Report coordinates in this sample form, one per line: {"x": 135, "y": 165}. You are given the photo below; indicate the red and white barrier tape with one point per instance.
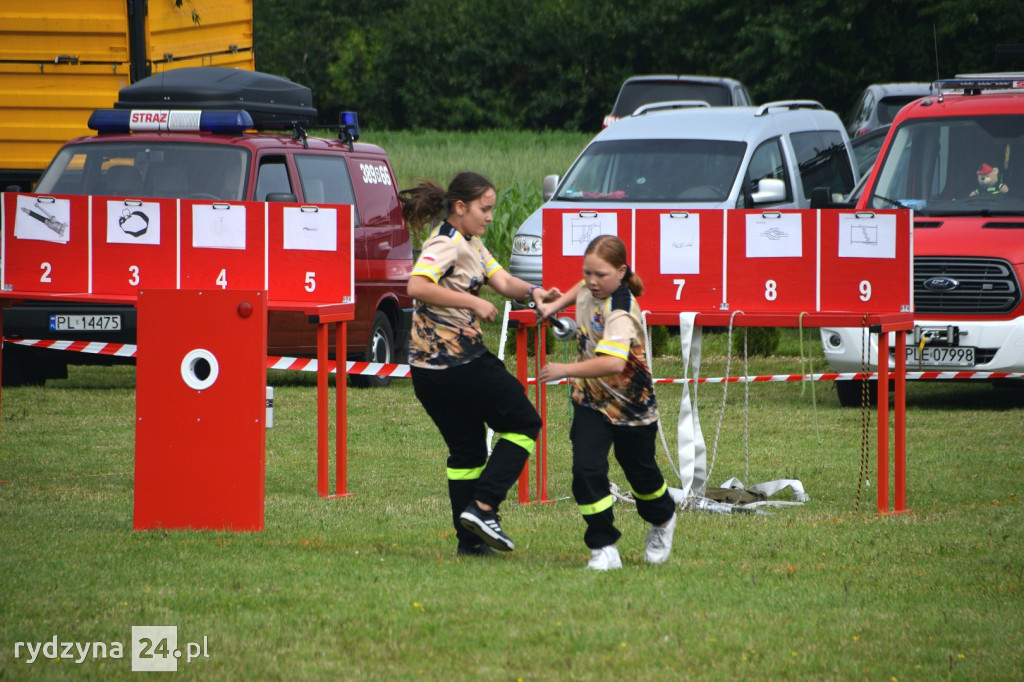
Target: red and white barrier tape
{"x": 402, "y": 371}
{"x": 128, "y": 350}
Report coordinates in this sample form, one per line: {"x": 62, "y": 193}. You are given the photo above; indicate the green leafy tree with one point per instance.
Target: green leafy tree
{"x": 558, "y": 64}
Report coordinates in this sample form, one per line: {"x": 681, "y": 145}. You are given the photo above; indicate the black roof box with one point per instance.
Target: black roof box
{"x": 272, "y": 101}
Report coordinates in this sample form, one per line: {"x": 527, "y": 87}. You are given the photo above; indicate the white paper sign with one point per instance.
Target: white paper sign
{"x": 218, "y": 226}
{"x": 45, "y": 219}
{"x": 579, "y": 229}
{"x": 867, "y": 236}
{"x": 133, "y": 222}
{"x": 311, "y": 228}
{"x": 680, "y": 243}
{"x": 774, "y": 235}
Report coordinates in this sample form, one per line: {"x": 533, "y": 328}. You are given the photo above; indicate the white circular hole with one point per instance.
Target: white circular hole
{"x": 199, "y": 369}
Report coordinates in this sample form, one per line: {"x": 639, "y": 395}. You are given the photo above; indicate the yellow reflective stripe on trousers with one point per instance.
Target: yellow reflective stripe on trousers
{"x": 464, "y": 474}
{"x": 653, "y": 496}
{"x": 597, "y": 507}
{"x": 525, "y": 442}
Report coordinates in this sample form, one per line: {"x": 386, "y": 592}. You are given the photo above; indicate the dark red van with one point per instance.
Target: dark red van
{"x": 270, "y": 160}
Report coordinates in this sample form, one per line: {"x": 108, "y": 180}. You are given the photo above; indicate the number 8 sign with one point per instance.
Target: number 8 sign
{"x": 771, "y": 261}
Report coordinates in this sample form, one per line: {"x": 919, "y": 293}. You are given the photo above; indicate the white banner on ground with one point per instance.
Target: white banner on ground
{"x": 692, "y": 451}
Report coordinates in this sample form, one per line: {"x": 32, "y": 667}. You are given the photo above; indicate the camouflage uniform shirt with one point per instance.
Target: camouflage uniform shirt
{"x": 613, "y": 326}
{"x": 446, "y": 337}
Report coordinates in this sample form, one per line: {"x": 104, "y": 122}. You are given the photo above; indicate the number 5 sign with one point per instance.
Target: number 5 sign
{"x": 306, "y": 245}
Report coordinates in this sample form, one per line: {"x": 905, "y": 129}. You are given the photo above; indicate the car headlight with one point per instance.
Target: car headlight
{"x": 526, "y": 245}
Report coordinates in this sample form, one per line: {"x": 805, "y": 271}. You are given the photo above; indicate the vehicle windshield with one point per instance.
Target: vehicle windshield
{"x": 888, "y": 107}
{"x": 654, "y": 171}
{"x": 954, "y": 166}
{"x": 148, "y": 169}
{"x": 636, "y": 94}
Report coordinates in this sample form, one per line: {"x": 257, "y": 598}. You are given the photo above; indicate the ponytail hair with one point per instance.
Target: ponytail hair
{"x": 427, "y": 202}
{"x": 612, "y": 250}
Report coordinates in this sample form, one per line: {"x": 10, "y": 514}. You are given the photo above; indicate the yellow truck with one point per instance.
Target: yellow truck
{"x": 62, "y": 59}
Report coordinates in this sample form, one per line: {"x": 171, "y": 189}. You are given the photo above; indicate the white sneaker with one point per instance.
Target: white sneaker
{"x": 604, "y": 559}
{"x": 659, "y": 542}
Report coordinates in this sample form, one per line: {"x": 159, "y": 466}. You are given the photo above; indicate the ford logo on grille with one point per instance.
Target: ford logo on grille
{"x": 941, "y": 284}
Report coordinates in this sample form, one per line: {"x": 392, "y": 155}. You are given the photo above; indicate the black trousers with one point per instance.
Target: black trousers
{"x": 592, "y": 438}
{"x": 463, "y": 401}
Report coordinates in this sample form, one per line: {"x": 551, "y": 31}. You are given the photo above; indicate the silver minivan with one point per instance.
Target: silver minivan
{"x": 687, "y": 154}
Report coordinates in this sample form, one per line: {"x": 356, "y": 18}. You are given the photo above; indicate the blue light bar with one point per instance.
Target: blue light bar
{"x": 226, "y": 121}
{"x": 110, "y": 120}
{"x": 173, "y": 120}
{"x": 348, "y": 122}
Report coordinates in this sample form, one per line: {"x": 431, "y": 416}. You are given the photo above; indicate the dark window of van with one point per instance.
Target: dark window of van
{"x": 767, "y": 161}
{"x": 325, "y": 180}
{"x": 635, "y": 94}
{"x": 272, "y": 178}
{"x": 823, "y": 161}
{"x": 377, "y": 190}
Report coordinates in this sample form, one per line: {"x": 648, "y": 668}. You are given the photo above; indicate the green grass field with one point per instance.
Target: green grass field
{"x": 515, "y": 161}
{"x": 368, "y": 587}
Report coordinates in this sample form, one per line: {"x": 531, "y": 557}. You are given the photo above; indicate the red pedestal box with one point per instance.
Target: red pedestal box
{"x": 223, "y": 245}
{"x": 771, "y": 261}
{"x": 200, "y": 409}
{"x": 306, "y": 245}
{"x": 679, "y": 256}
{"x": 46, "y": 244}
{"x": 867, "y": 261}
{"x": 567, "y": 233}
{"x": 134, "y": 245}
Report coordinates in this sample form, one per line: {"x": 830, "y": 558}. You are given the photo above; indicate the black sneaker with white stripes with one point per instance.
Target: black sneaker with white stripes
{"x": 478, "y": 548}
{"x": 485, "y": 524}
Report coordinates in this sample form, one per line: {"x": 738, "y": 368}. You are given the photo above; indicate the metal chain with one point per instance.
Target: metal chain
{"x": 865, "y": 414}
{"x": 746, "y": 411}
{"x": 721, "y": 413}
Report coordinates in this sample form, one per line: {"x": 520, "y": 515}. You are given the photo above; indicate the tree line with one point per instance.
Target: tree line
{"x": 558, "y": 64}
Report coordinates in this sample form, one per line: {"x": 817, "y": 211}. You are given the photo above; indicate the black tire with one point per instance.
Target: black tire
{"x": 22, "y": 367}
{"x": 849, "y": 391}
{"x": 380, "y": 348}
{"x": 1008, "y": 385}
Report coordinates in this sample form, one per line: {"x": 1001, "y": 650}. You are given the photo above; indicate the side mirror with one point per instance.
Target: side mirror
{"x": 769, "y": 191}
{"x": 282, "y": 196}
{"x": 549, "y": 186}
{"x": 821, "y": 197}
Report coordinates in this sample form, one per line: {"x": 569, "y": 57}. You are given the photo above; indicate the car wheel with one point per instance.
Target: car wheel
{"x": 380, "y": 348}
{"x": 850, "y": 392}
{"x": 21, "y": 367}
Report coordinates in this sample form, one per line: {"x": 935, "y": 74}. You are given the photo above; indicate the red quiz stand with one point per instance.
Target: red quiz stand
{"x": 203, "y": 276}
{"x": 750, "y": 268}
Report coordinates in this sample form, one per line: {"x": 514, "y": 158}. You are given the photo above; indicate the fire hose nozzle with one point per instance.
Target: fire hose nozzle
{"x": 564, "y": 328}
